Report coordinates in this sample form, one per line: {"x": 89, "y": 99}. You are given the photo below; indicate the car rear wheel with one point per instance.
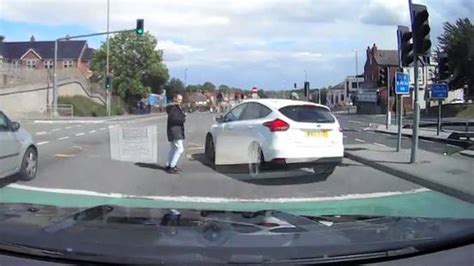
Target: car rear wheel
{"x": 209, "y": 149}
{"x": 29, "y": 164}
{"x": 323, "y": 171}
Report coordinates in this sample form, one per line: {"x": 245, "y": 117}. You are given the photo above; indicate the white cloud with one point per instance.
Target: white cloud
{"x": 247, "y": 37}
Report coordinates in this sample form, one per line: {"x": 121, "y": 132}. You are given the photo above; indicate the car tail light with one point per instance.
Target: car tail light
{"x": 277, "y": 125}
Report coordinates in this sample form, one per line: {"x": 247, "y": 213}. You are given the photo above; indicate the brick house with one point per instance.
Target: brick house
{"x": 40, "y": 54}
{"x": 376, "y": 59}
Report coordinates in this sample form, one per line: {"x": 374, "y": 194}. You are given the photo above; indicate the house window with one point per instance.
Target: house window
{"x": 354, "y": 85}
{"x": 67, "y": 63}
{"x": 16, "y": 64}
{"x": 31, "y": 63}
{"x": 342, "y": 97}
{"x": 48, "y": 64}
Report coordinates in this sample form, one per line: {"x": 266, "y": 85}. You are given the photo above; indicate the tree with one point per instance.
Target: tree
{"x": 223, "y": 88}
{"x": 208, "y": 86}
{"x": 136, "y": 65}
{"x": 261, "y": 94}
{"x": 174, "y": 86}
{"x": 194, "y": 88}
{"x": 457, "y": 41}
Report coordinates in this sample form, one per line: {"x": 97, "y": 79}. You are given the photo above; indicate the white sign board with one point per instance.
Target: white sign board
{"x": 134, "y": 144}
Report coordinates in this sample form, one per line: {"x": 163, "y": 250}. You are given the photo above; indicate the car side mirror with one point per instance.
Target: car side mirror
{"x": 219, "y": 119}
{"x": 15, "y": 126}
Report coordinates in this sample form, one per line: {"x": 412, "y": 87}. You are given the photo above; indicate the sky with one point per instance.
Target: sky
{"x": 270, "y": 44}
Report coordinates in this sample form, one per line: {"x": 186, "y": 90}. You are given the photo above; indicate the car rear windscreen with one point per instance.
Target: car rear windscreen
{"x": 308, "y": 114}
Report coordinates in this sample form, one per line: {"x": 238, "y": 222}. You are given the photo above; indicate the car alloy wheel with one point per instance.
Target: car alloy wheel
{"x": 29, "y": 164}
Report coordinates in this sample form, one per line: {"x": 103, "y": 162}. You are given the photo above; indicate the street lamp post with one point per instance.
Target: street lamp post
{"x": 107, "y": 60}
{"x": 185, "y": 77}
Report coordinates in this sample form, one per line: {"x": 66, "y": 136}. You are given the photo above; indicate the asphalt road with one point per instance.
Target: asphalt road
{"x": 75, "y": 155}
{"x": 357, "y": 131}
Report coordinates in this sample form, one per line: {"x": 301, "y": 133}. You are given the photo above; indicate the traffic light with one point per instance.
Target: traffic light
{"x": 306, "y": 89}
{"x": 140, "y": 27}
{"x": 443, "y": 66}
{"x": 405, "y": 46}
{"x": 294, "y": 85}
{"x": 421, "y": 30}
{"x": 383, "y": 76}
{"x": 108, "y": 82}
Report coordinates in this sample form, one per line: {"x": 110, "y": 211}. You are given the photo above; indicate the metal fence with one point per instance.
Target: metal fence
{"x": 63, "y": 110}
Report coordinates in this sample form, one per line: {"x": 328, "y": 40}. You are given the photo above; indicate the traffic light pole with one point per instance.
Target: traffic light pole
{"x": 107, "y": 60}
{"x": 416, "y": 113}
{"x": 438, "y": 128}
{"x": 388, "y": 118}
{"x": 399, "y": 120}
{"x": 55, "y": 78}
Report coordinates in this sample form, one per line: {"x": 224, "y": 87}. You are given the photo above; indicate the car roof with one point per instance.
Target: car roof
{"x": 279, "y": 103}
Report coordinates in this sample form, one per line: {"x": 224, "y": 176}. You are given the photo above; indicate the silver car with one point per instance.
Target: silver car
{"x": 18, "y": 153}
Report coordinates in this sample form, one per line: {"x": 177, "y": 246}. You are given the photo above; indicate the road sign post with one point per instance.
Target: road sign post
{"x": 439, "y": 92}
{"x": 388, "y": 118}
{"x": 402, "y": 87}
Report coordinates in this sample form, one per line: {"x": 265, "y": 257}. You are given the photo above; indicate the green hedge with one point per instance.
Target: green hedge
{"x": 84, "y": 106}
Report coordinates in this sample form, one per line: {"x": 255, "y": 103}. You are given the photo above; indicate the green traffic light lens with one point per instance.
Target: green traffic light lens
{"x": 140, "y": 31}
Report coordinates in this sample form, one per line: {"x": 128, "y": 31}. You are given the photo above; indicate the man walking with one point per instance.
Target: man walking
{"x": 175, "y": 132}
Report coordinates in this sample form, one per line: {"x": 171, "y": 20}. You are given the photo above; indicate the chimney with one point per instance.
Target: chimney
{"x": 374, "y": 49}
{"x": 32, "y": 38}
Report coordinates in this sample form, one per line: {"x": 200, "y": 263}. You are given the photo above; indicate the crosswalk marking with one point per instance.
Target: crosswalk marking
{"x": 79, "y": 134}
{"x": 42, "y": 143}
{"x": 359, "y": 140}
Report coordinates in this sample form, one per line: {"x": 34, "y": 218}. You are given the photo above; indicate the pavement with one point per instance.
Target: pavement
{"x": 441, "y": 173}
{"x": 76, "y": 168}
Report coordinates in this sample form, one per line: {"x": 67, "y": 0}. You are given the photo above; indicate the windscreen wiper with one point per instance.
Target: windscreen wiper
{"x": 88, "y": 214}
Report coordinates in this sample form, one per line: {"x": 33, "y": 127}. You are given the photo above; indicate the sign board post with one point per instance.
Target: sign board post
{"x": 439, "y": 92}
{"x": 402, "y": 87}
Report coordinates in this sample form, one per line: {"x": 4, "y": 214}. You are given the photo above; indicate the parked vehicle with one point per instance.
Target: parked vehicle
{"x": 18, "y": 153}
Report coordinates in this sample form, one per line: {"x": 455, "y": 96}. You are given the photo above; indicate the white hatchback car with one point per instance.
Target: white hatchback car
{"x": 276, "y": 134}
{"x": 18, "y": 153}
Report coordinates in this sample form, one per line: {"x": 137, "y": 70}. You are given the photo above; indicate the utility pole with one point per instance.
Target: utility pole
{"x": 109, "y": 91}
{"x": 55, "y": 80}
{"x": 388, "y": 98}
{"x": 185, "y": 77}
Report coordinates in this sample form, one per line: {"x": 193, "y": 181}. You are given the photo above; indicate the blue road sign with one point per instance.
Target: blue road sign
{"x": 439, "y": 91}
{"x": 402, "y": 83}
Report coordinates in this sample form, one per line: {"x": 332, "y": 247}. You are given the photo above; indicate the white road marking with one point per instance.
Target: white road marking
{"x": 56, "y": 129}
{"x": 68, "y": 127}
{"x": 451, "y": 145}
{"x": 80, "y": 134}
{"x": 217, "y": 199}
{"x": 359, "y": 140}
{"x": 68, "y": 121}
{"x": 344, "y": 137}
{"x": 42, "y": 143}
{"x": 356, "y": 122}
{"x": 41, "y": 133}
{"x": 59, "y": 155}
{"x": 102, "y": 128}
{"x": 63, "y": 138}
{"x": 380, "y": 145}
{"x": 92, "y": 131}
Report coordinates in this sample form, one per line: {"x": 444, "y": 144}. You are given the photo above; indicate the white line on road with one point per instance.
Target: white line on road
{"x": 359, "y": 140}
{"x": 356, "y": 122}
{"x": 451, "y": 145}
{"x": 380, "y": 145}
{"x": 79, "y": 134}
{"x": 344, "y": 137}
{"x": 63, "y": 138}
{"x": 217, "y": 199}
{"x": 41, "y": 133}
{"x": 78, "y": 125}
{"x": 68, "y": 127}
{"x": 102, "y": 128}
{"x": 92, "y": 131}
{"x": 42, "y": 143}
{"x": 56, "y": 129}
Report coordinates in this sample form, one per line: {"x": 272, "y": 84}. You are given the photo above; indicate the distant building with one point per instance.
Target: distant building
{"x": 351, "y": 86}
{"x": 40, "y": 54}
{"x": 336, "y": 95}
